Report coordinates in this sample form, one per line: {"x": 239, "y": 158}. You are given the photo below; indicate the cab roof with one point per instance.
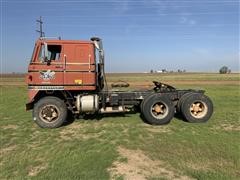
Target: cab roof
{"x": 58, "y": 41}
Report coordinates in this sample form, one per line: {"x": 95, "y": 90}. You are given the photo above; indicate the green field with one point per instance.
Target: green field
{"x": 123, "y": 146}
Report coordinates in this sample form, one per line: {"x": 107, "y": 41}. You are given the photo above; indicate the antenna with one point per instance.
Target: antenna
{"x": 40, "y": 31}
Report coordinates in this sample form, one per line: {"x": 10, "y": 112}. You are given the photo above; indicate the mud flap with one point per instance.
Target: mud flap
{"x": 29, "y": 106}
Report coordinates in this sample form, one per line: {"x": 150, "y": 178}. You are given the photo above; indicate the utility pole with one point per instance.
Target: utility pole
{"x": 40, "y": 31}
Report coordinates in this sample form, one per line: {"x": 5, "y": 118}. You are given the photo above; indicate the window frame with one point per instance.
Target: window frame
{"x": 41, "y": 47}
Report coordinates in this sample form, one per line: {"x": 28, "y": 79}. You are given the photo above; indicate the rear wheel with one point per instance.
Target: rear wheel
{"x": 50, "y": 112}
{"x": 197, "y": 108}
{"x": 158, "y": 110}
{"x": 181, "y": 100}
{"x": 144, "y": 100}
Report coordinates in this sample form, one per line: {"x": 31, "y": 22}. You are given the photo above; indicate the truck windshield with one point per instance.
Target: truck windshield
{"x": 33, "y": 53}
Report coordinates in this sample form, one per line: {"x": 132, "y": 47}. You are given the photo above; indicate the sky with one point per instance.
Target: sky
{"x": 138, "y": 35}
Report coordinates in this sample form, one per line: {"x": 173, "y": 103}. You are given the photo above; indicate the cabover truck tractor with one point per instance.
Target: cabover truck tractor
{"x": 67, "y": 77}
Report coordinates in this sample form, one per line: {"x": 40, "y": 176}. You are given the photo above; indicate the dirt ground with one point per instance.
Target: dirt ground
{"x": 137, "y": 166}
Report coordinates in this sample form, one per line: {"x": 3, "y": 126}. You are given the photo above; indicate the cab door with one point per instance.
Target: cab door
{"x": 80, "y": 66}
{"x": 48, "y": 70}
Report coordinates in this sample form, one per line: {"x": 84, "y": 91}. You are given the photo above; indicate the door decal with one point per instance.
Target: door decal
{"x": 47, "y": 75}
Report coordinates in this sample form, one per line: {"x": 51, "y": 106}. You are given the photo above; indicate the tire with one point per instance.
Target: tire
{"x": 144, "y": 100}
{"x": 50, "y": 112}
{"x": 181, "y": 100}
{"x": 156, "y": 103}
{"x": 141, "y": 105}
{"x": 197, "y": 108}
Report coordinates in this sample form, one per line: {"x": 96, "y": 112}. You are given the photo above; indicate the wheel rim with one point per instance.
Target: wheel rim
{"x": 49, "y": 113}
{"x": 198, "y": 109}
{"x": 159, "y": 110}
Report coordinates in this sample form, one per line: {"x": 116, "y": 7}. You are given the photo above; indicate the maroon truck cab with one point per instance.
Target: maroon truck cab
{"x": 70, "y": 65}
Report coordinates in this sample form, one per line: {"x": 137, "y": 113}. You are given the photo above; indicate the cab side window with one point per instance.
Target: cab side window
{"x": 54, "y": 53}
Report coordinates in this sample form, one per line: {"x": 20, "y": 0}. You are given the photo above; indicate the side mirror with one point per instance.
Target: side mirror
{"x": 96, "y": 44}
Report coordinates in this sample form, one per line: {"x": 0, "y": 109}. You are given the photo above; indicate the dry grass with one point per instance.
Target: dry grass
{"x": 35, "y": 170}
{"x": 10, "y": 126}
{"x": 228, "y": 127}
{"x": 8, "y": 149}
{"x": 138, "y": 166}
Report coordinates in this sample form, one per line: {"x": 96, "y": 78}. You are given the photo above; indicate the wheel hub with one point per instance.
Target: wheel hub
{"x": 159, "y": 110}
{"x": 49, "y": 113}
{"x": 198, "y": 109}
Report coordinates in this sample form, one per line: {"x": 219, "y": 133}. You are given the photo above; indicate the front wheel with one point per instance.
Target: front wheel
{"x": 50, "y": 112}
{"x": 158, "y": 110}
{"x": 197, "y": 108}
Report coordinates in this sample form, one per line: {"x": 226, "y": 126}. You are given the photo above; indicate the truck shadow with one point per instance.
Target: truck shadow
{"x": 179, "y": 117}
{"x": 94, "y": 117}
{"x": 100, "y": 117}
